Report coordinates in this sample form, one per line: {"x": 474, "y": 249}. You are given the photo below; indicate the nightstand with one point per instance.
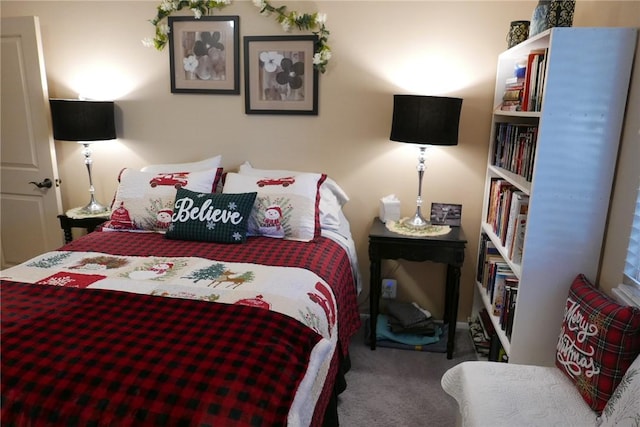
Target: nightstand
{"x": 447, "y": 249}
{"x": 72, "y": 219}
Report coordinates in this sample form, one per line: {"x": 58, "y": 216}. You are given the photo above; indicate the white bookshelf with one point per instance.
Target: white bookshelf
{"x": 585, "y": 92}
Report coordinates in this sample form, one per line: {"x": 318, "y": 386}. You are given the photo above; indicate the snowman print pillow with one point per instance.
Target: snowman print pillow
{"x": 285, "y": 207}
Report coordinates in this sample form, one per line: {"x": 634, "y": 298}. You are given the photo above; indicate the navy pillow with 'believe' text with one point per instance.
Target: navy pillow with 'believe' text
{"x": 210, "y": 217}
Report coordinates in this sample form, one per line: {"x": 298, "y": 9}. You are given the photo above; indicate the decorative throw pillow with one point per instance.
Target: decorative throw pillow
{"x": 599, "y": 340}
{"x": 285, "y": 207}
{"x": 207, "y": 217}
{"x": 332, "y": 197}
{"x": 624, "y": 406}
{"x": 144, "y": 200}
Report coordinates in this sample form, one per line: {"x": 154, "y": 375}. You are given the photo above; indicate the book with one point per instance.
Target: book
{"x": 518, "y": 240}
{"x": 486, "y": 323}
{"x": 510, "y": 106}
{"x": 519, "y": 206}
{"x": 487, "y": 249}
{"x": 513, "y": 93}
{"x": 542, "y": 71}
{"x": 534, "y": 79}
{"x": 499, "y": 295}
{"x": 512, "y": 311}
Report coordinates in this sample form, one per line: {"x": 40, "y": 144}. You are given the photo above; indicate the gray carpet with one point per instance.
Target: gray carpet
{"x": 392, "y": 387}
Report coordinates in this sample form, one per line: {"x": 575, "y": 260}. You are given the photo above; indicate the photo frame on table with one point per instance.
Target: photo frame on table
{"x": 204, "y": 54}
{"x": 446, "y": 214}
{"x": 279, "y": 75}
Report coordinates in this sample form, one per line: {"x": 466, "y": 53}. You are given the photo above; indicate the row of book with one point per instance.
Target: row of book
{"x": 485, "y": 339}
{"x": 499, "y": 283}
{"x": 525, "y": 93}
{"x": 514, "y": 148}
{"x": 507, "y": 216}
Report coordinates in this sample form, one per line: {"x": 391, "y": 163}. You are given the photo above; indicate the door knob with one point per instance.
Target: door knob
{"x": 47, "y": 183}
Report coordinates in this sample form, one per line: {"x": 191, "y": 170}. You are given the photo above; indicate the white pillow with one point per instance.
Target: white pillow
{"x": 332, "y": 197}
{"x": 144, "y": 200}
{"x": 285, "y": 207}
{"x": 202, "y": 165}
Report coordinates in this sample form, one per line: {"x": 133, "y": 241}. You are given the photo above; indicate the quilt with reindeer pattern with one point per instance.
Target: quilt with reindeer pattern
{"x": 270, "y": 314}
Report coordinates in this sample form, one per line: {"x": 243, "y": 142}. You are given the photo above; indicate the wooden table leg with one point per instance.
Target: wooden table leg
{"x": 374, "y": 300}
{"x": 451, "y": 306}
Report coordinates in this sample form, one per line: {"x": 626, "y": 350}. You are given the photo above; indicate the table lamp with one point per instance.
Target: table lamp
{"x": 84, "y": 122}
{"x": 424, "y": 120}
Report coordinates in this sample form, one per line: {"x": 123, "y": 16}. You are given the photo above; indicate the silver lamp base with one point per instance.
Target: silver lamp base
{"x": 417, "y": 222}
{"x": 94, "y": 208}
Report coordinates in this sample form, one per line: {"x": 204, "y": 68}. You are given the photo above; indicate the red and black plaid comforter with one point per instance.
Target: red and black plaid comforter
{"x": 97, "y": 357}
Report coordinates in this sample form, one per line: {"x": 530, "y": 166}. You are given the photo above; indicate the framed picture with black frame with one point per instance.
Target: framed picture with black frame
{"x": 446, "y": 214}
{"x": 279, "y": 75}
{"x": 205, "y": 54}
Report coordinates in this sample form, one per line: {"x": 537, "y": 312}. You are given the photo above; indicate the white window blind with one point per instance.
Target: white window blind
{"x": 632, "y": 264}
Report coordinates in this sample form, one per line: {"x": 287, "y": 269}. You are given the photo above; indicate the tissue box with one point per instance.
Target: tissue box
{"x": 389, "y": 208}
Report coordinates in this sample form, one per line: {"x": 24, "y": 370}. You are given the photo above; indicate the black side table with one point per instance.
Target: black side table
{"x": 89, "y": 223}
{"x": 447, "y": 249}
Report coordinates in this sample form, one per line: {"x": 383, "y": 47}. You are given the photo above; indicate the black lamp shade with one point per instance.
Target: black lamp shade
{"x": 425, "y": 120}
{"x": 79, "y": 120}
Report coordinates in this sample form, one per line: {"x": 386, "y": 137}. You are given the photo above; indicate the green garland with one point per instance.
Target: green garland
{"x": 313, "y": 22}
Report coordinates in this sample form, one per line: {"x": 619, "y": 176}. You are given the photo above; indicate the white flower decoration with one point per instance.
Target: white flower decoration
{"x": 190, "y": 64}
{"x": 271, "y": 60}
{"x": 164, "y": 28}
{"x": 168, "y": 5}
{"x": 321, "y": 18}
{"x": 147, "y": 42}
{"x": 313, "y": 22}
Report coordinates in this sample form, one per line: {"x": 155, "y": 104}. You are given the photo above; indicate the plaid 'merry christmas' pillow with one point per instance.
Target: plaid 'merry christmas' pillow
{"x": 599, "y": 340}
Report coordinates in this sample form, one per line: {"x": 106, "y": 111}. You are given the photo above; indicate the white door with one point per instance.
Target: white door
{"x": 28, "y": 222}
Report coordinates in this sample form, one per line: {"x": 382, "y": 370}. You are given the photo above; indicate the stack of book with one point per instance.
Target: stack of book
{"x": 513, "y": 94}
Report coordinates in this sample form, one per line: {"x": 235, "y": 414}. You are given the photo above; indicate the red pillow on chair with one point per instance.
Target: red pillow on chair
{"x": 598, "y": 341}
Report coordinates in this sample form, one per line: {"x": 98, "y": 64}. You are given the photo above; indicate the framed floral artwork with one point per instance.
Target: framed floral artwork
{"x": 205, "y": 54}
{"x": 279, "y": 75}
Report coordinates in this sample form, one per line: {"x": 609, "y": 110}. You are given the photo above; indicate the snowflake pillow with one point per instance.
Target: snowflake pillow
{"x": 285, "y": 207}
{"x": 144, "y": 200}
{"x": 207, "y": 217}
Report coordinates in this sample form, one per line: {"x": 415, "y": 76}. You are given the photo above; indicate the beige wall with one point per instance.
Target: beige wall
{"x": 379, "y": 48}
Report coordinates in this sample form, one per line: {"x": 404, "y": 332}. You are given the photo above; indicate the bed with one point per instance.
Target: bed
{"x": 137, "y": 327}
